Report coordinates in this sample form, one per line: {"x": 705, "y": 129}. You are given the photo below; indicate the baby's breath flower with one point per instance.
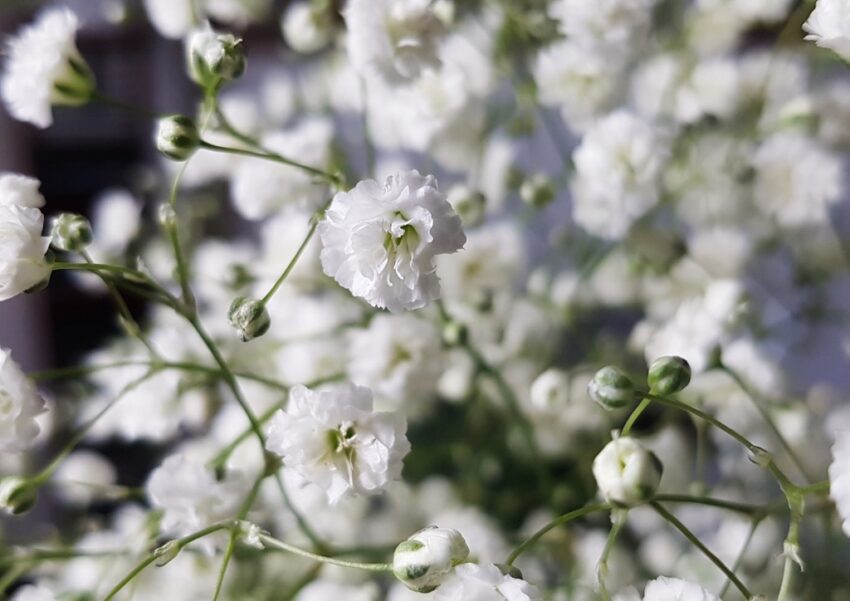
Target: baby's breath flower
{"x": 44, "y": 68}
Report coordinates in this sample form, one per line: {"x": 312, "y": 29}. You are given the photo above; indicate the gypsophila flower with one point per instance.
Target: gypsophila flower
{"x": 399, "y": 358}
{"x": 334, "y": 439}
{"x": 673, "y": 589}
{"x": 626, "y": 472}
{"x": 392, "y": 39}
{"x": 190, "y": 496}
{"x": 839, "y": 477}
{"x": 380, "y": 242}
{"x": 31, "y": 592}
{"x": 618, "y": 169}
{"x": 20, "y": 404}
{"x": 473, "y": 582}
{"x": 305, "y": 29}
{"x": 829, "y": 26}
{"x": 45, "y": 68}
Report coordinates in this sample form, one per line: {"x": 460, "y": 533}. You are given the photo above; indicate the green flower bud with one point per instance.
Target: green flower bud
{"x": 537, "y": 190}
{"x": 17, "y": 495}
{"x": 177, "y": 137}
{"x": 424, "y": 560}
{"x": 668, "y": 375}
{"x": 612, "y": 389}
{"x": 70, "y": 232}
{"x": 249, "y": 317}
{"x": 215, "y": 57}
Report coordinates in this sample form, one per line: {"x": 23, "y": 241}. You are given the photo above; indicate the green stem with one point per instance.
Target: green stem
{"x": 268, "y": 155}
{"x": 228, "y": 376}
{"x": 660, "y": 510}
{"x": 313, "y": 226}
{"x": 48, "y": 471}
{"x": 170, "y": 225}
{"x": 768, "y": 420}
{"x": 274, "y": 543}
{"x": 152, "y": 557}
{"x": 483, "y": 367}
{"x": 741, "y": 554}
{"x": 558, "y": 521}
{"x": 619, "y": 520}
{"x": 634, "y": 416}
{"x": 755, "y": 511}
{"x": 124, "y": 106}
{"x": 234, "y": 533}
{"x": 131, "y": 326}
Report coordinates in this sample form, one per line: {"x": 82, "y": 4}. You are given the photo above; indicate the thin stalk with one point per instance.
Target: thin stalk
{"x": 619, "y": 520}
{"x": 234, "y": 533}
{"x": 634, "y": 416}
{"x": 124, "y": 106}
{"x": 768, "y": 420}
{"x": 131, "y": 326}
{"x": 45, "y": 473}
{"x": 152, "y": 557}
{"x": 755, "y": 511}
{"x": 303, "y": 525}
{"x": 268, "y": 155}
{"x": 291, "y": 265}
{"x": 660, "y": 510}
{"x": 228, "y": 376}
{"x": 558, "y": 521}
{"x": 741, "y": 554}
{"x": 273, "y": 543}
{"x": 170, "y": 225}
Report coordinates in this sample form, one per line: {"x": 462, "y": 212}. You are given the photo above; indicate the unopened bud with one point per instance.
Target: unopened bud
{"x": 424, "y": 560}
{"x": 761, "y": 457}
{"x": 70, "y": 232}
{"x": 537, "y": 190}
{"x": 249, "y": 317}
{"x": 612, "y": 389}
{"x": 215, "y": 57}
{"x": 177, "y": 137}
{"x": 469, "y": 204}
{"x": 454, "y": 333}
{"x": 17, "y": 495}
{"x": 668, "y": 375}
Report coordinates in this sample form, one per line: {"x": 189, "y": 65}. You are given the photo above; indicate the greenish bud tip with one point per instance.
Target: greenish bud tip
{"x": 612, "y": 389}
{"x": 177, "y": 137}
{"x": 668, "y": 375}
{"x": 249, "y": 317}
{"x": 17, "y": 495}
{"x": 70, "y": 232}
{"x": 167, "y": 552}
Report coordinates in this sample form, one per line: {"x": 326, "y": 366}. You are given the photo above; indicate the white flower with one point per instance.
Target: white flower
{"x": 379, "y": 242}
{"x": 829, "y": 26}
{"x": 626, "y": 472}
{"x": 424, "y": 560}
{"x": 673, "y": 589}
{"x": 20, "y": 191}
{"x": 327, "y": 590}
{"x": 399, "y": 358}
{"x": 392, "y": 39}
{"x": 304, "y": 30}
{"x": 334, "y": 439}
{"x": 171, "y": 18}
{"x": 191, "y": 497}
{"x": 260, "y": 188}
{"x": 473, "y": 582}
{"x": 839, "y": 477}
{"x": 32, "y": 592}
{"x": 797, "y": 180}
{"x": 618, "y": 168}
{"x": 613, "y": 24}
{"x": 583, "y": 81}
{"x": 84, "y": 476}
{"x": 44, "y": 68}
{"x": 22, "y": 249}
{"x": 20, "y": 404}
